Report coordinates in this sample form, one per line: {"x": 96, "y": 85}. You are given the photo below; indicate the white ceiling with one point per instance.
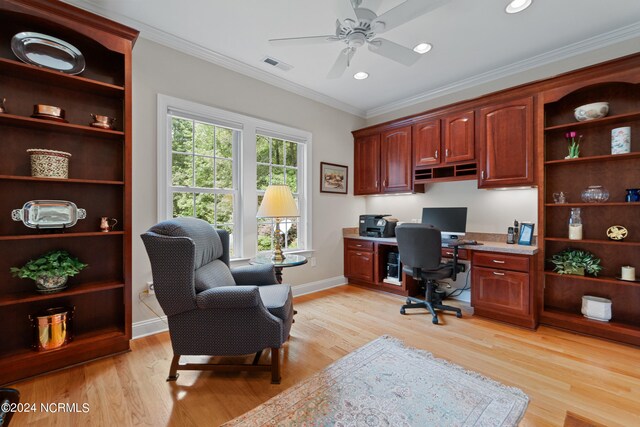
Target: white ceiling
{"x": 474, "y": 41}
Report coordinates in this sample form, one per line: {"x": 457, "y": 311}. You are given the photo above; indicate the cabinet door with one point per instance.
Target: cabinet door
{"x": 459, "y": 137}
{"x": 366, "y": 165}
{"x": 426, "y": 143}
{"x": 358, "y": 265}
{"x": 500, "y": 290}
{"x": 506, "y": 144}
{"x": 396, "y": 161}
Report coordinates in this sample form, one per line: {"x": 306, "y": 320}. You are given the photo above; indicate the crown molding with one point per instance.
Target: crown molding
{"x": 166, "y": 39}
{"x": 193, "y": 49}
{"x": 574, "y": 49}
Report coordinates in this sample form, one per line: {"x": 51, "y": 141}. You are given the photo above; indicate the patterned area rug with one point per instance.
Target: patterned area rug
{"x": 385, "y": 383}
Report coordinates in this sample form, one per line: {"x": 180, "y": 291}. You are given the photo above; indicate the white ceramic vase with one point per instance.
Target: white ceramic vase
{"x": 621, "y": 140}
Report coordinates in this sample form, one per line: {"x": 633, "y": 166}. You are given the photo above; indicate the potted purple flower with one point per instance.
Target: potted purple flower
{"x": 574, "y": 145}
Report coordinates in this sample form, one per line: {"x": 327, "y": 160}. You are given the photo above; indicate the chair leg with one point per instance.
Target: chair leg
{"x": 456, "y": 310}
{"x": 257, "y": 358}
{"x": 275, "y": 365}
{"x": 173, "y": 370}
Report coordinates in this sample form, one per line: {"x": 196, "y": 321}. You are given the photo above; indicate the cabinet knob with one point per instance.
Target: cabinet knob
{"x": 446, "y": 152}
{"x": 385, "y": 182}
{"x": 497, "y": 261}
{"x": 498, "y": 273}
{"x": 482, "y": 175}
{"x": 359, "y": 253}
{"x": 449, "y": 253}
{"x": 436, "y": 154}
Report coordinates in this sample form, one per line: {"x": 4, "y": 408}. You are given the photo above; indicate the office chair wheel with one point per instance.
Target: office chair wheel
{"x": 402, "y": 310}
{"x": 459, "y": 315}
{"x": 409, "y": 301}
{"x": 434, "y": 320}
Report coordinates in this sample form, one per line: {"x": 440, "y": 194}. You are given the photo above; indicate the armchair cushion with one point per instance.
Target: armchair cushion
{"x": 213, "y": 275}
{"x": 227, "y": 297}
{"x": 254, "y": 275}
{"x": 207, "y": 242}
{"x": 278, "y": 300}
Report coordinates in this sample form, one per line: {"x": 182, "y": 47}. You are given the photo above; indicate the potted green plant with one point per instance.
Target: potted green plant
{"x": 50, "y": 271}
{"x": 574, "y": 261}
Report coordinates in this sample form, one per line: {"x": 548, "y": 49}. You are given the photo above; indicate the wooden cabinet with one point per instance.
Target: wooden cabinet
{"x": 454, "y": 144}
{"x": 502, "y": 287}
{"x": 506, "y": 144}
{"x": 595, "y": 165}
{"x": 426, "y": 143}
{"x": 383, "y": 162}
{"x": 99, "y": 181}
{"x": 459, "y": 138}
{"x": 366, "y": 167}
{"x": 395, "y": 160}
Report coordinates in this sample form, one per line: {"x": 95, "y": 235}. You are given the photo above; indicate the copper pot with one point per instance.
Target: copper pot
{"x": 104, "y": 122}
{"x": 48, "y": 110}
{"x": 52, "y": 328}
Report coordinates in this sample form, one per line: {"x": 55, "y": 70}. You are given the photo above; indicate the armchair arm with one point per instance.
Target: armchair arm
{"x": 229, "y": 297}
{"x": 263, "y": 274}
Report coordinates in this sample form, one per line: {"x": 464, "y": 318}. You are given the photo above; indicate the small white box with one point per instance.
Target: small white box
{"x": 596, "y": 308}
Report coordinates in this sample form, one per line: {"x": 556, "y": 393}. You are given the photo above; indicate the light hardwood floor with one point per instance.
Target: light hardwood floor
{"x": 560, "y": 372}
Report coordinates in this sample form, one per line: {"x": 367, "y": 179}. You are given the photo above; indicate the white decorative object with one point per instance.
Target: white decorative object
{"x": 621, "y": 140}
{"x": 596, "y": 308}
{"x": 596, "y": 110}
{"x": 628, "y": 273}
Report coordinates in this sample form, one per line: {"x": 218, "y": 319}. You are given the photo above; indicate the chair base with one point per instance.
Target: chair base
{"x": 432, "y": 306}
{"x": 274, "y": 367}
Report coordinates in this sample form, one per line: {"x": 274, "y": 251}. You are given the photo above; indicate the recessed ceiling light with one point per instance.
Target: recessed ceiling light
{"x": 422, "y": 48}
{"x": 360, "y": 75}
{"x": 518, "y": 6}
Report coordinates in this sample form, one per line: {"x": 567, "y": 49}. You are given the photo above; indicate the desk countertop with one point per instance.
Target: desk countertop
{"x": 486, "y": 246}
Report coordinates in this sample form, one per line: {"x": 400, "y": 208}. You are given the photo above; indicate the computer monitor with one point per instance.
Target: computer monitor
{"x": 452, "y": 222}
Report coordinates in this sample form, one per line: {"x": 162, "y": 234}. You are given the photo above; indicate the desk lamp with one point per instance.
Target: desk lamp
{"x": 277, "y": 203}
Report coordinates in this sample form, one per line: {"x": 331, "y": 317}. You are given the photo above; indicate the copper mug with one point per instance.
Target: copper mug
{"x": 107, "y": 224}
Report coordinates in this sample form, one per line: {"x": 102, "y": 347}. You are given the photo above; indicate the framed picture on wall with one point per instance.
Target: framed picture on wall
{"x": 333, "y": 178}
{"x": 526, "y": 233}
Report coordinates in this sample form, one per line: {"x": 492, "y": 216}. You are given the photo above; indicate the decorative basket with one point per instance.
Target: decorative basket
{"x": 49, "y": 163}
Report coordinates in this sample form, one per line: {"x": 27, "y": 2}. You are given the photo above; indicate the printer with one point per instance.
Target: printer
{"x": 377, "y": 226}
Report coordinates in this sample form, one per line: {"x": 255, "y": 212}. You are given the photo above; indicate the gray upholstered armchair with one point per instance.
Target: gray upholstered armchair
{"x": 211, "y": 309}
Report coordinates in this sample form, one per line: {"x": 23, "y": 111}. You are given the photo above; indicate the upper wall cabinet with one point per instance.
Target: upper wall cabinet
{"x": 366, "y": 165}
{"x": 458, "y": 137}
{"x": 395, "y": 156}
{"x": 453, "y": 144}
{"x": 506, "y": 144}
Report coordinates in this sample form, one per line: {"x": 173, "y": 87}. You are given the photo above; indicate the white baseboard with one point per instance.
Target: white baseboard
{"x": 320, "y": 285}
{"x": 149, "y": 327}
{"x": 157, "y": 325}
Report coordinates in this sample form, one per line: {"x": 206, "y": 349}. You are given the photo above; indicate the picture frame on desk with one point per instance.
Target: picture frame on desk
{"x": 334, "y": 178}
{"x": 526, "y": 233}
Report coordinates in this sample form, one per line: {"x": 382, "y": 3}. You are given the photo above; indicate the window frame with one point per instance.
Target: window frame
{"x": 246, "y": 202}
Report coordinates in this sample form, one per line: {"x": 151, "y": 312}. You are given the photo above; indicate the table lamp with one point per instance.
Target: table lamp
{"x": 277, "y": 203}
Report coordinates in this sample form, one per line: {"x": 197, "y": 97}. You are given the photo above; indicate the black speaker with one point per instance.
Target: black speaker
{"x": 393, "y": 265}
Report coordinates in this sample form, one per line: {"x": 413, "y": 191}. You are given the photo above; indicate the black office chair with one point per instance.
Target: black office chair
{"x": 420, "y": 253}
{"x": 9, "y": 397}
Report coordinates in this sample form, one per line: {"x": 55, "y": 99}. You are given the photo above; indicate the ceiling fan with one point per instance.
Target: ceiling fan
{"x": 361, "y": 27}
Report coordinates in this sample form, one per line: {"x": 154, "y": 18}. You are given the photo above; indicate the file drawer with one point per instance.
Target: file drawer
{"x": 501, "y": 261}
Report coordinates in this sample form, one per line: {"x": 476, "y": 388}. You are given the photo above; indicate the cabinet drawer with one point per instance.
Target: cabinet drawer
{"x": 448, "y": 253}
{"x": 501, "y": 261}
{"x": 362, "y": 245}
{"x": 359, "y": 265}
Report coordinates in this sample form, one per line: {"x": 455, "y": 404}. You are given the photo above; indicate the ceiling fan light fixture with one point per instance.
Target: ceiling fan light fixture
{"x": 516, "y": 6}
{"x": 360, "y": 75}
{"x": 422, "y": 48}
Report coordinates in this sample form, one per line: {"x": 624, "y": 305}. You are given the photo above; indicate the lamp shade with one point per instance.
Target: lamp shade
{"x": 277, "y": 203}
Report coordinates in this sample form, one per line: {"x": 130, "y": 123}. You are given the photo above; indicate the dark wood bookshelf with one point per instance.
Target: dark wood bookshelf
{"x": 605, "y": 121}
{"x": 61, "y": 235}
{"x": 54, "y": 126}
{"x": 60, "y": 180}
{"x": 598, "y": 279}
{"x": 592, "y": 241}
{"x": 590, "y": 205}
{"x": 31, "y": 295}
{"x": 590, "y": 159}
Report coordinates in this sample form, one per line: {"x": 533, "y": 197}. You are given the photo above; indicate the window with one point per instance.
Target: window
{"x": 215, "y": 165}
{"x": 277, "y": 162}
{"x": 203, "y": 182}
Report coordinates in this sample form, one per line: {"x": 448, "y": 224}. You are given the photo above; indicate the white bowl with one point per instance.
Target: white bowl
{"x": 595, "y": 110}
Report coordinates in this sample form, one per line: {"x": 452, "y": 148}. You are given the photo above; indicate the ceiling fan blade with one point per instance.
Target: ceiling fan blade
{"x": 293, "y": 41}
{"x": 404, "y": 12}
{"x": 372, "y": 4}
{"x": 394, "y": 51}
{"x": 346, "y": 10}
{"x": 341, "y": 64}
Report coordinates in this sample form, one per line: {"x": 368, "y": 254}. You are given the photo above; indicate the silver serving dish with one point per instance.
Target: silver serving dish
{"x": 49, "y": 52}
{"x": 49, "y": 214}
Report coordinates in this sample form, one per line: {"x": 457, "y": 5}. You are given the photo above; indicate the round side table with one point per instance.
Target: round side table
{"x": 291, "y": 260}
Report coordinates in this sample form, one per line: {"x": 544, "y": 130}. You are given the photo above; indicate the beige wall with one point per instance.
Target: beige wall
{"x": 157, "y": 69}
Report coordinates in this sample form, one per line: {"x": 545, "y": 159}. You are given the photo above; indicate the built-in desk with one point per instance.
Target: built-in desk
{"x": 503, "y": 276}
